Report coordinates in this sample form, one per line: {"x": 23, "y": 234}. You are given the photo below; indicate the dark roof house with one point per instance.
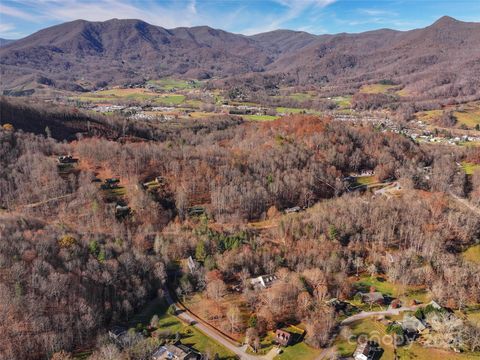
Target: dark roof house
{"x": 282, "y": 337}
{"x": 373, "y": 298}
{"x": 368, "y": 350}
{"x": 175, "y": 352}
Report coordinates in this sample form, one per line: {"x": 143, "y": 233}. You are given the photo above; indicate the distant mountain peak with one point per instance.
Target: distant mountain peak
{"x": 446, "y": 20}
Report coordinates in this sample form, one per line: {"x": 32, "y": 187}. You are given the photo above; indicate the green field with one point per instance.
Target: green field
{"x": 169, "y": 84}
{"x": 428, "y": 116}
{"x": 260, "y": 117}
{"x": 377, "y": 88}
{"x": 404, "y": 293}
{"x": 170, "y": 100}
{"x": 469, "y": 115}
{"x": 366, "y": 180}
{"x": 343, "y": 102}
{"x": 472, "y": 254}
{"x": 287, "y": 110}
{"x": 470, "y": 168}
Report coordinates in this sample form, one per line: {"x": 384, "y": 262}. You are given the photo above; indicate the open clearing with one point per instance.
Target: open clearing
{"x": 260, "y": 117}
{"x": 376, "y": 88}
{"x": 470, "y": 168}
{"x": 472, "y": 254}
{"x": 169, "y": 84}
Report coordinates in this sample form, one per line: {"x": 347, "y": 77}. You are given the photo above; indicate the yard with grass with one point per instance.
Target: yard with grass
{"x": 169, "y": 84}
{"x": 404, "y": 293}
{"x": 298, "y": 351}
{"x": 259, "y": 117}
{"x": 189, "y": 334}
{"x": 469, "y": 167}
{"x": 169, "y": 100}
{"x": 343, "y": 102}
{"x": 301, "y": 96}
{"x": 287, "y": 110}
{"x": 468, "y": 115}
{"x": 472, "y": 254}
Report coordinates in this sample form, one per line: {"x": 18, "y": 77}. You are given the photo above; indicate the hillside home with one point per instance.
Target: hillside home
{"x": 263, "y": 281}
{"x": 282, "y": 337}
{"x": 373, "y": 298}
{"x": 369, "y": 350}
{"x": 411, "y": 324}
{"x": 192, "y": 264}
{"x": 175, "y": 352}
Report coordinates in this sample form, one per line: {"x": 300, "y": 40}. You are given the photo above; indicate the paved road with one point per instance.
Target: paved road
{"x": 218, "y": 337}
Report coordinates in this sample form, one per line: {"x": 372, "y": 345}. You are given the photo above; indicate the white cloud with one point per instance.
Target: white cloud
{"x": 295, "y": 8}
{"x": 17, "y": 13}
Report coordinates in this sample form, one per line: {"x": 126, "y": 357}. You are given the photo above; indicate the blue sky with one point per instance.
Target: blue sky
{"x": 19, "y": 18}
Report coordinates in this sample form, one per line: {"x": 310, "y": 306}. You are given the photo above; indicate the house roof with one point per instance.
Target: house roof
{"x": 372, "y": 296}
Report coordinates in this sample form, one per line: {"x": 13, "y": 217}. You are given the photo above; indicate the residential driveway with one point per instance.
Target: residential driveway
{"x": 218, "y": 337}
{"x": 365, "y": 314}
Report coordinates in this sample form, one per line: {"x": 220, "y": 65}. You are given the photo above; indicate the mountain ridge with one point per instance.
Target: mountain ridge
{"x": 82, "y": 55}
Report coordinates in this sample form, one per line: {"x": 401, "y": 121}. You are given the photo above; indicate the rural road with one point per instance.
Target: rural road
{"x": 239, "y": 351}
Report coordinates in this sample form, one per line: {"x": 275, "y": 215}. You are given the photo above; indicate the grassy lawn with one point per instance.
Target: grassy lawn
{"x": 298, "y": 351}
{"x": 189, "y": 334}
{"x": 404, "y": 293}
{"x": 287, "y": 110}
{"x": 417, "y": 352}
{"x": 366, "y": 180}
{"x": 260, "y": 117}
{"x": 169, "y": 84}
{"x": 300, "y": 96}
{"x": 266, "y": 344}
{"x": 343, "y": 102}
{"x": 371, "y": 329}
{"x": 469, "y": 115}
{"x": 170, "y": 100}
{"x": 376, "y": 88}
{"x": 472, "y": 254}
{"x": 469, "y": 168}
{"x": 403, "y": 92}
{"x": 429, "y": 115}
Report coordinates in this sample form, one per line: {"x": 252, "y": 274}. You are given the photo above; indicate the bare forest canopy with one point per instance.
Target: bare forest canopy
{"x": 70, "y": 267}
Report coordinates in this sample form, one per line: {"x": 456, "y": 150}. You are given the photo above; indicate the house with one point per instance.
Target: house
{"x": 67, "y": 159}
{"x": 368, "y": 350}
{"x": 292, "y": 210}
{"x": 263, "y": 281}
{"x": 122, "y": 210}
{"x": 192, "y": 264}
{"x": 116, "y": 333}
{"x": 412, "y": 325}
{"x": 175, "y": 352}
{"x": 283, "y": 337}
{"x": 435, "y": 305}
{"x": 372, "y": 298}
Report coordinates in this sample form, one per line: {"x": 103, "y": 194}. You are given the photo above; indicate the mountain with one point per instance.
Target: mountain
{"x": 441, "y": 59}
{"x": 4, "y": 42}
